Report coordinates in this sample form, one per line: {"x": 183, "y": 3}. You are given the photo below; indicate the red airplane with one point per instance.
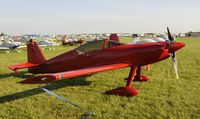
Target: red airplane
{"x": 98, "y": 56}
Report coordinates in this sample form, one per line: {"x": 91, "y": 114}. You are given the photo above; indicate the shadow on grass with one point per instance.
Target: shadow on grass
{"x": 53, "y": 86}
{"x": 21, "y": 74}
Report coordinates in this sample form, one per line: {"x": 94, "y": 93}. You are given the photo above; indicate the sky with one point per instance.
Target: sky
{"x": 98, "y": 16}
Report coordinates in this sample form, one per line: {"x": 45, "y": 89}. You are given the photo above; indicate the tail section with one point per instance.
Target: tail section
{"x": 34, "y": 53}
{"x": 35, "y": 57}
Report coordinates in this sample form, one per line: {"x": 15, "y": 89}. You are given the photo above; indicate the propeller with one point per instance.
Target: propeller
{"x": 170, "y": 37}
{"x": 173, "y": 54}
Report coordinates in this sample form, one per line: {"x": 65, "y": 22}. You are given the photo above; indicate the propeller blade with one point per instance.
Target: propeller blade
{"x": 173, "y": 54}
{"x": 174, "y": 60}
{"x": 170, "y": 37}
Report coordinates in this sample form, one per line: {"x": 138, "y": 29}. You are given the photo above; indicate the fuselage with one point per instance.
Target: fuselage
{"x": 132, "y": 54}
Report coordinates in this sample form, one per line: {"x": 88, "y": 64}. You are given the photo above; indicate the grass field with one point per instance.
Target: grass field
{"x": 163, "y": 96}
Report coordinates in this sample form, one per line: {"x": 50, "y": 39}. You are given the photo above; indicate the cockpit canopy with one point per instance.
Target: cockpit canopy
{"x": 97, "y": 45}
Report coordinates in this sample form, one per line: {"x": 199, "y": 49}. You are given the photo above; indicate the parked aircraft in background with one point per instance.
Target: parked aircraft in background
{"x": 71, "y": 41}
{"x": 7, "y": 45}
{"x": 45, "y": 42}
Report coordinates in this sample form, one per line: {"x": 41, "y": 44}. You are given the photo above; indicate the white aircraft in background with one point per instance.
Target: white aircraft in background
{"x": 9, "y": 44}
{"x": 46, "y": 42}
{"x": 136, "y": 39}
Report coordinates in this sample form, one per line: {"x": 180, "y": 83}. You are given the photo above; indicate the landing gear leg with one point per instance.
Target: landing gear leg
{"x": 127, "y": 90}
{"x": 140, "y": 77}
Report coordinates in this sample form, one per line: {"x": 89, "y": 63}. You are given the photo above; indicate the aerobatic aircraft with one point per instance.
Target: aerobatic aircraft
{"x": 98, "y": 56}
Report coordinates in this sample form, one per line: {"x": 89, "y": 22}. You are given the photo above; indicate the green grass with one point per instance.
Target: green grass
{"x": 163, "y": 96}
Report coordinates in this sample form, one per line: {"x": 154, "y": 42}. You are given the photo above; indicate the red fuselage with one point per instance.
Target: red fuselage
{"x": 133, "y": 54}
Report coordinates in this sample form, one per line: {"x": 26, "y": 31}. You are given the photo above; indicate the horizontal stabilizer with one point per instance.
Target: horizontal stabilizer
{"x": 20, "y": 66}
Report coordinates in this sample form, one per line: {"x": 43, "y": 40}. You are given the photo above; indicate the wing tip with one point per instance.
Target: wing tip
{"x": 13, "y": 68}
{"x": 39, "y": 79}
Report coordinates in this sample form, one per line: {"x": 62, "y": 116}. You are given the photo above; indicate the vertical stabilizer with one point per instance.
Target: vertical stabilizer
{"x": 34, "y": 53}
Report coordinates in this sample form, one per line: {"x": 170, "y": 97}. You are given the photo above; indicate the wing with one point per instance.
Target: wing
{"x": 21, "y": 47}
{"x": 42, "y": 45}
{"x": 71, "y": 74}
{"x": 4, "y": 48}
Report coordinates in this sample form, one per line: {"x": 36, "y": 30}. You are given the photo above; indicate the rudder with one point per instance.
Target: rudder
{"x": 34, "y": 53}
